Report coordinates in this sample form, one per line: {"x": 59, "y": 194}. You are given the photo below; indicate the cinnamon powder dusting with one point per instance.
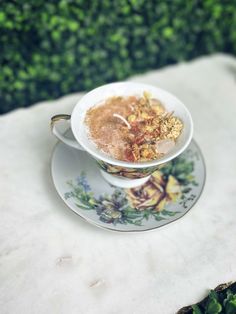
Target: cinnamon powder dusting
{"x": 133, "y": 128}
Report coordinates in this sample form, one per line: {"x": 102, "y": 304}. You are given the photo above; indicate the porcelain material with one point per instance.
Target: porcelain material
{"x": 166, "y": 196}
{"x": 123, "y": 182}
{"x": 108, "y": 164}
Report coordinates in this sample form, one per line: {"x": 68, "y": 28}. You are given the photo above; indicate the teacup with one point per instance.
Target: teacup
{"x": 116, "y": 172}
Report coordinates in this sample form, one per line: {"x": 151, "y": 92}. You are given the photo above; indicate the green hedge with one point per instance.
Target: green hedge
{"x": 56, "y": 47}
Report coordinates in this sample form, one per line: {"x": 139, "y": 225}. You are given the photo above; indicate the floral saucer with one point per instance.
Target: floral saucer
{"x": 168, "y": 195}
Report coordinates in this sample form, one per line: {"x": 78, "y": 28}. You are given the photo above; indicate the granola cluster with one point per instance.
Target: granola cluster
{"x": 150, "y": 124}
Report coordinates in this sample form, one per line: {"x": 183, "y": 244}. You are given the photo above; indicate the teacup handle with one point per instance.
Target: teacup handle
{"x": 70, "y": 142}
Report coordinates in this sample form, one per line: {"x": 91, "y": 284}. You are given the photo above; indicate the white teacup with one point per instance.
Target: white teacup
{"x": 121, "y": 173}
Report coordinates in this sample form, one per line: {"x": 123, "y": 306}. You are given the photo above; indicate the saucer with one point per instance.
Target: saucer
{"x": 167, "y": 196}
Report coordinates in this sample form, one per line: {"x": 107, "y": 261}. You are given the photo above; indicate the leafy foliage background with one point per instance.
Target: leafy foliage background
{"x": 50, "y": 48}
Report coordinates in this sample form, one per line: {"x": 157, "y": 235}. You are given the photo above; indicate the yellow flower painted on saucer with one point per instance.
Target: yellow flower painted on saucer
{"x": 155, "y": 194}
{"x": 173, "y": 189}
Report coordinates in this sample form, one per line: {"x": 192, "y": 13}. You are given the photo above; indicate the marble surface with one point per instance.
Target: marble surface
{"x": 54, "y": 262}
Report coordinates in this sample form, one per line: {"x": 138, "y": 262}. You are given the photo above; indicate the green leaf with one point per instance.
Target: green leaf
{"x": 83, "y": 207}
{"x": 168, "y": 213}
{"x": 146, "y": 215}
{"x": 132, "y": 214}
{"x": 138, "y": 222}
{"x": 213, "y": 295}
{"x": 56, "y": 35}
{"x": 158, "y": 217}
{"x": 186, "y": 190}
{"x": 2, "y": 17}
{"x": 196, "y": 309}
{"x": 213, "y": 307}
{"x": 230, "y": 303}
{"x": 19, "y": 85}
{"x": 230, "y": 307}
{"x": 168, "y": 32}
{"x": 73, "y": 26}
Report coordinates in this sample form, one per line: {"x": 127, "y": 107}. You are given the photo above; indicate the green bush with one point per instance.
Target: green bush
{"x": 52, "y": 48}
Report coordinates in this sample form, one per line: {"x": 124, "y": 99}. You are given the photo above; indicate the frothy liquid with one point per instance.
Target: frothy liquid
{"x": 106, "y": 130}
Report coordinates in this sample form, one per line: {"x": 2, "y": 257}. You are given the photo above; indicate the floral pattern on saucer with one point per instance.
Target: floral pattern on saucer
{"x": 173, "y": 183}
{"x": 131, "y": 173}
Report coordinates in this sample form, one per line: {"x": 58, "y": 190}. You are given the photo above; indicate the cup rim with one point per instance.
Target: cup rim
{"x": 126, "y": 164}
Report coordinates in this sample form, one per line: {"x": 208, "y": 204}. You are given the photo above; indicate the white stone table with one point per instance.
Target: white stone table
{"x": 51, "y": 261}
